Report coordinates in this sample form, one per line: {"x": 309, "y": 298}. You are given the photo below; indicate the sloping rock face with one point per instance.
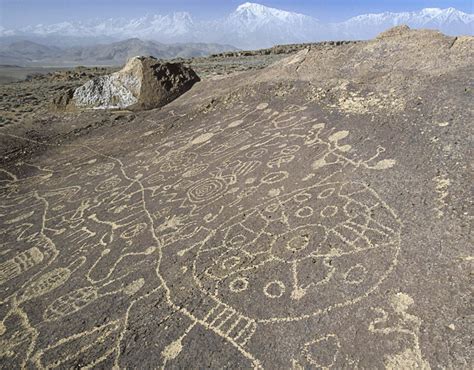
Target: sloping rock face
{"x": 393, "y": 68}
{"x": 143, "y": 83}
{"x": 323, "y": 200}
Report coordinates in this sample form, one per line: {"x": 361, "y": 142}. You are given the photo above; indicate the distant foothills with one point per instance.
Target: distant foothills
{"x": 28, "y": 53}
{"x": 250, "y": 26}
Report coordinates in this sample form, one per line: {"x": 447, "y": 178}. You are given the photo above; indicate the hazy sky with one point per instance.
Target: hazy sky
{"x": 15, "y": 13}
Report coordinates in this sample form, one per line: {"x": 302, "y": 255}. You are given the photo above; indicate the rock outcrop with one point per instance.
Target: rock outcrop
{"x": 324, "y": 199}
{"x": 144, "y": 83}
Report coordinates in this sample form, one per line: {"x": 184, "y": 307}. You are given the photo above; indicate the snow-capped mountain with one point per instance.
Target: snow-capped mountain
{"x": 166, "y": 28}
{"x": 252, "y": 17}
{"x": 249, "y": 26}
{"x": 149, "y": 26}
{"x": 255, "y": 26}
{"x": 450, "y": 21}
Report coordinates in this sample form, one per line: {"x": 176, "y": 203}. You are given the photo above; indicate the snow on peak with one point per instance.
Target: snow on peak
{"x": 259, "y": 11}
{"x": 249, "y": 6}
{"x": 449, "y": 20}
{"x": 442, "y": 13}
{"x": 431, "y": 11}
{"x": 415, "y": 19}
{"x": 253, "y": 25}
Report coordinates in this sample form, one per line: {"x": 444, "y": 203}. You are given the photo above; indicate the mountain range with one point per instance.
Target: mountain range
{"x": 250, "y": 26}
{"x": 31, "y": 53}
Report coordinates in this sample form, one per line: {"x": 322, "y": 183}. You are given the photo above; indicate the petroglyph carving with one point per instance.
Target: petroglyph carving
{"x": 50, "y": 280}
{"x": 70, "y": 303}
{"x": 405, "y": 324}
{"x": 442, "y": 184}
{"x": 207, "y": 190}
{"x": 82, "y": 345}
{"x": 341, "y": 233}
{"x": 17, "y": 338}
{"x": 220, "y": 215}
{"x": 322, "y": 352}
{"x": 20, "y": 264}
{"x": 101, "y": 169}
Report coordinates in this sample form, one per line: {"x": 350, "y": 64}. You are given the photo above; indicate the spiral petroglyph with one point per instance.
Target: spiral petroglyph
{"x": 206, "y": 190}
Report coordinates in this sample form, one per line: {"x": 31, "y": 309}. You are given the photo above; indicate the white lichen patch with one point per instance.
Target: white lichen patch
{"x": 108, "y": 92}
{"x": 116, "y": 91}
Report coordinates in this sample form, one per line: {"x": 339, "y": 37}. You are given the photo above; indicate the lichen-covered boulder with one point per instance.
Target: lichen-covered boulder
{"x": 144, "y": 83}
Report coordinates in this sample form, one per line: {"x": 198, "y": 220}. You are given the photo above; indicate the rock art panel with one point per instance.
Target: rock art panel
{"x": 212, "y": 218}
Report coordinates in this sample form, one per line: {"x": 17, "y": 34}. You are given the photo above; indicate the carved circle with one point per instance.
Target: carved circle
{"x": 274, "y": 289}
{"x": 238, "y": 285}
{"x": 206, "y": 190}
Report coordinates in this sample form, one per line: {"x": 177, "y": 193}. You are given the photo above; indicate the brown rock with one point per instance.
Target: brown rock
{"x": 144, "y": 83}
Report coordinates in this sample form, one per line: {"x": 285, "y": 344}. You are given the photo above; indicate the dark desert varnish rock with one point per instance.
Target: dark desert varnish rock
{"x": 313, "y": 214}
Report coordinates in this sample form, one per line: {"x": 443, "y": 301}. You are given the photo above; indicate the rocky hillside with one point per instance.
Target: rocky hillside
{"x": 29, "y": 99}
{"x": 311, "y": 214}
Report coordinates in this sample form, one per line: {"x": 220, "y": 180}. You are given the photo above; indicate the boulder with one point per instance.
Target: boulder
{"x": 144, "y": 83}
